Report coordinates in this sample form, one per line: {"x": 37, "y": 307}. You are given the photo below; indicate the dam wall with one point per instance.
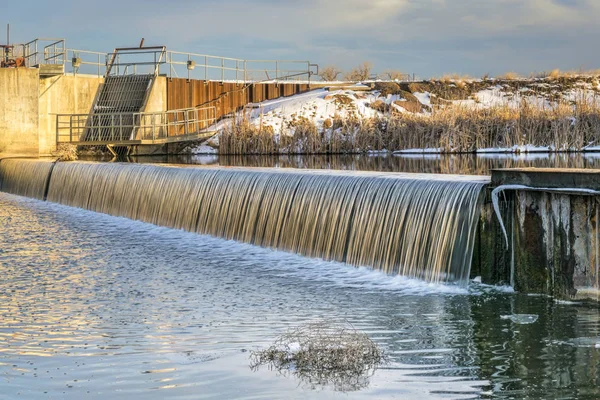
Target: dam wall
{"x": 420, "y": 226}
{"x": 63, "y": 94}
{"x": 535, "y": 230}
{"x": 552, "y": 242}
{"x": 227, "y": 97}
{"x": 19, "y": 117}
{"x": 30, "y": 102}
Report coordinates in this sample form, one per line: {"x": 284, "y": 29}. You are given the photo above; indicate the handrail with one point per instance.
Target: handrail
{"x": 124, "y": 126}
{"x": 200, "y": 66}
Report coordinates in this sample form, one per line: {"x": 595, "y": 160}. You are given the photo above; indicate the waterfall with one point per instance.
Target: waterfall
{"x": 25, "y": 177}
{"x": 420, "y": 226}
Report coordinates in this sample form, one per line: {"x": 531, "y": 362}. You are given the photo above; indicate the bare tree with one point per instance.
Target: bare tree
{"x": 393, "y": 75}
{"x": 330, "y": 73}
{"x": 361, "y": 72}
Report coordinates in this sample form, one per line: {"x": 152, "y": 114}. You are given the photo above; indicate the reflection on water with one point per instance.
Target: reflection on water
{"x": 101, "y": 307}
{"x": 468, "y": 164}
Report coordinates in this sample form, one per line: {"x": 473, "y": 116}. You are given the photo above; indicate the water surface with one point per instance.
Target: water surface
{"x": 466, "y": 164}
{"x": 96, "y": 306}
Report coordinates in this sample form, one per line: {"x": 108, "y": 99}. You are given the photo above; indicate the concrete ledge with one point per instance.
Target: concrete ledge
{"x": 553, "y": 178}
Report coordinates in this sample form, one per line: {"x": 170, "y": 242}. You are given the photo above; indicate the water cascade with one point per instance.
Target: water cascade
{"x": 29, "y": 178}
{"x": 419, "y": 226}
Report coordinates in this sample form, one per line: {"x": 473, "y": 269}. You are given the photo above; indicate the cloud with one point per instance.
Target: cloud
{"x": 428, "y": 36}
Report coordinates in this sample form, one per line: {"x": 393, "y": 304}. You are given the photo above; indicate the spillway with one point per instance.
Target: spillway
{"x": 420, "y": 226}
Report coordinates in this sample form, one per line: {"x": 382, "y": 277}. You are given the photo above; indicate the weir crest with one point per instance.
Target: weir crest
{"x": 420, "y": 226}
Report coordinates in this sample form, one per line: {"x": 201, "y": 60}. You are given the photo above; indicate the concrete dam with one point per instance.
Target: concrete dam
{"x": 141, "y": 98}
{"x": 439, "y": 228}
{"x": 535, "y": 230}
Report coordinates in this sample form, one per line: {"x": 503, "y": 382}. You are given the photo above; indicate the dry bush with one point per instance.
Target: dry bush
{"x": 360, "y": 73}
{"x": 65, "y": 152}
{"x": 322, "y": 354}
{"x": 387, "y": 88}
{"x": 564, "y": 125}
{"x": 509, "y": 76}
{"x": 243, "y": 137}
{"x": 394, "y": 75}
{"x": 330, "y": 73}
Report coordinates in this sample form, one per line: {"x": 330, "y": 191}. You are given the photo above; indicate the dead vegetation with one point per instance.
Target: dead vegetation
{"x": 330, "y": 73}
{"x": 552, "y": 112}
{"x": 360, "y": 73}
{"x": 65, "y": 152}
{"x": 565, "y": 126}
{"x": 323, "y": 354}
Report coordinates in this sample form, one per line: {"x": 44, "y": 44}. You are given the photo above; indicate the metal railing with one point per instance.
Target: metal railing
{"x": 172, "y": 63}
{"x": 133, "y": 61}
{"x": 126, "y": 127}
{"x": 207, "y": 67}
{"x": 85, "y": 62}
{"x": 44, "y": 51}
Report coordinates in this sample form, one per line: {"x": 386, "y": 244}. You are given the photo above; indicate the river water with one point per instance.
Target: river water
{"x": 95, "y": 306}
{"x": 467, "y": 164}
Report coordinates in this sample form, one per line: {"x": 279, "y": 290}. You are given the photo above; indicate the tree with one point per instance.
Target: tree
{"x": 359, "y": 73}
{"x": 330, "y": 73}
{"x": 394, "y": 75}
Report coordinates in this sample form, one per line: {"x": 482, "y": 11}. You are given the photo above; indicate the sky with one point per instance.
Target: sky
{"x": 425, "y": 37}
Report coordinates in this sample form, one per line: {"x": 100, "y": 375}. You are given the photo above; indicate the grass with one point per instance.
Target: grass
{"x": 65, "y": 152}
{"x": 322, "y": 354}
{"x": 565, "y": 126}
{"x": 567, "y": 118}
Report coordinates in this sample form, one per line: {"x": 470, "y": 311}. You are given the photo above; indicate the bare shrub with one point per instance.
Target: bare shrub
{"x": 330, "y": 73}
{"x": 360, "y": 73}
{"x": 509, "y": 76}
{"x": 323, "y": 354}
{"x": 387, "y": 88}
{"x": 65, "y": 152}
{"x": 243, "y": 137}
{"x": 394, "y": 75}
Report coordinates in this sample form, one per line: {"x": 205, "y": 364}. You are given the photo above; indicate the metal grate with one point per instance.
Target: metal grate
{"x": 122, "y": 95}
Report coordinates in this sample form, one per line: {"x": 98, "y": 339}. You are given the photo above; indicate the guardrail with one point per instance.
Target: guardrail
{"x": 207, "y": 67}
{"x": 44, "y": 51}
{"x": 172, "y": 63}
{"x": 139, "y": 126}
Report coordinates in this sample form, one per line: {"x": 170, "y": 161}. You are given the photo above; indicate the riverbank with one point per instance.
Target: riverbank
{"x": 553, "y": 114}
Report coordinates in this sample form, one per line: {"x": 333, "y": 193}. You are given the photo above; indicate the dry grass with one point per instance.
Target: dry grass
{"x": 509, "y": 76}
{"x": 565, "y": 126}
{"x": 322, "y": 354}
{"x": 65, "y": 152}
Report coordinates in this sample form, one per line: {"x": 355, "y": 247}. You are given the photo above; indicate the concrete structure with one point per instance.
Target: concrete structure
{"x": 63, "y": 94}
{"x": 552, "y": 219}
{"x": 29, "y": 104}
{"x": 19, "y": 119}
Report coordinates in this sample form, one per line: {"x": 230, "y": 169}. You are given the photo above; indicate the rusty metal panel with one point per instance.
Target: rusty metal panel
{"x": 226, "y": 97}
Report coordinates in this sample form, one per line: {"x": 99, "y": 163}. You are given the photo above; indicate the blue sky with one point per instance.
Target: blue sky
{"x": 427, "y": 37}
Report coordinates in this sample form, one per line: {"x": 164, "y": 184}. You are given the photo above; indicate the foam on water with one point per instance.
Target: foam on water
{"x": 277, "y": 263}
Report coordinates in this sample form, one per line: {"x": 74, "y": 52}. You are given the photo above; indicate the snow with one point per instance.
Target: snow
{"x": 528, "y": 148}
{"x": 203, "y": 149}
{"x": 424, "y": 98}
{"x": 420, "y": 151}
{"x": 321, "y": 105}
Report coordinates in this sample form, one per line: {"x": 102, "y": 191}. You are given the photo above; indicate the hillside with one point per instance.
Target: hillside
{"x": 492, "y": 115}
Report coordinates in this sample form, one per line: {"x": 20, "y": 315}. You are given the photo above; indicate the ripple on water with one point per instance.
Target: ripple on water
{"x": 98, "y": 306}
